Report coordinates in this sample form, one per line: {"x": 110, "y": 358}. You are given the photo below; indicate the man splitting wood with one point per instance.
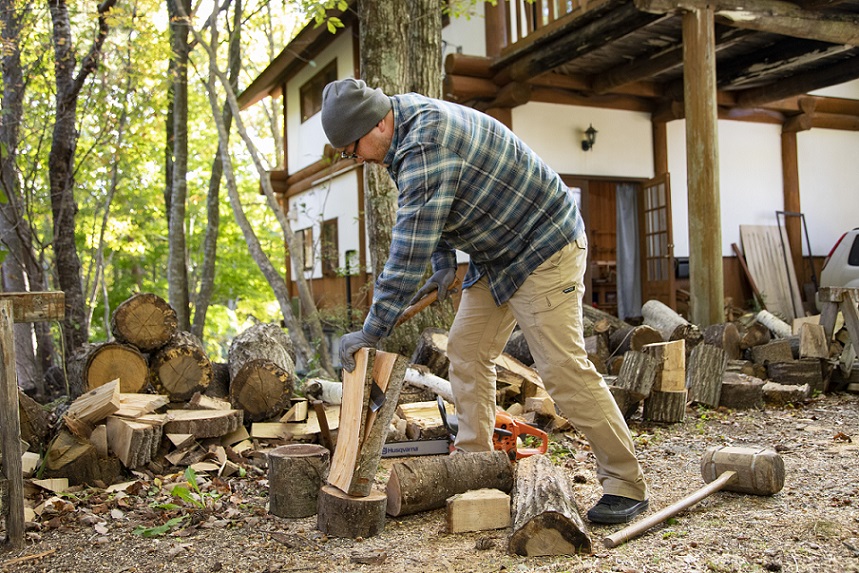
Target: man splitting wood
{"x": 467, "y": 182}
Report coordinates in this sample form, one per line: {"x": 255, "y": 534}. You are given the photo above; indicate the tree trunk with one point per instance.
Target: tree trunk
{"x": 296, "y": 472}
{"x": 177, "y": 272}
{"x": 61, "y": 164}
{"x": 273, "y": 277}
{"x": 213, "y": 198}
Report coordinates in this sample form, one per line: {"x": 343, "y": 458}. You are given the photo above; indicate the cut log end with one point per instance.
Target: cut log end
{"x": 549, "y": 534}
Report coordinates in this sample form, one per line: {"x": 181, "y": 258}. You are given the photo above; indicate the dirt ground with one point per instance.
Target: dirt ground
{"x": 811, "y": 525}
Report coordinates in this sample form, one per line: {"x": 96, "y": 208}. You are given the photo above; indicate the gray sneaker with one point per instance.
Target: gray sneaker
{"x": 616, "y": 509}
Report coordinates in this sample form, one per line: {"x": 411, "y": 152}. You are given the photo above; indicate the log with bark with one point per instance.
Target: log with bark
{"x": 672, "y": 326}
{"x": 704, "y": 374}
{"x": 35, "y": 427}
{"x": 422, "y": 484}
{"x": 546, "y": 519}
{"x": 145, "y": 320}
{"x": 431, "y": 351}
{"x": 296, "y": 472}
{"x": 741, "y": 391}
{"x": 725, "y": 336}
{"x": 671, "y": 365}
{"x": 180, "y": 368}
{"x": 753, "y": 335}
{"x": 797, "y": 372}
{"x": 342, "y": 515}
{"x": 633, "y": 338}
{"x": 262, "y": 372}
{"x": 777, "y": 326}
{"x": 665, "y": 406}
{"x": 94, "y": 365}
{"x": 637, "y": 374}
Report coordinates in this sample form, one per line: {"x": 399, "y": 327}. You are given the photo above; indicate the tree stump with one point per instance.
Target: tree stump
{"x": 741, "y": 392}
{"x": 341, "y": 515}
{"x": 546, "y": 519}
{"x": 667, "y": 407}
{"x": 94, "y": 365}
{"x": 725, "y": 336}
{"x": 262, "y": 372}
{"x": 704, "y": 374}
{"x": 180, "y": 368}
{"x": 797, "y": 372}
{"x": 431, "y": 351}
{"x": 144, "y": 320}
{"x": 296, "y": 472}
{"x": 421, "y": 484}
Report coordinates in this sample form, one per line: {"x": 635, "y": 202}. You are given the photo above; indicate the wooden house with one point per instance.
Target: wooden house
{"x": 707, "y": 117}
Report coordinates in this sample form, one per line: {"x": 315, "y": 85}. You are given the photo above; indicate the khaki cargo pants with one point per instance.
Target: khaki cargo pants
{"x": 547, "y": 308}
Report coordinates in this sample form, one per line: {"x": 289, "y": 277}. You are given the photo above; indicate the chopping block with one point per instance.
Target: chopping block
{"x": 758, "y": 471}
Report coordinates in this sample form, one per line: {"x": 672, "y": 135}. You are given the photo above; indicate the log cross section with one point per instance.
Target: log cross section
{"x": 19, "y": 307}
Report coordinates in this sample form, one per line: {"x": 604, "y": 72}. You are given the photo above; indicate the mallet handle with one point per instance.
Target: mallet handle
{"x": 637, "y": 529}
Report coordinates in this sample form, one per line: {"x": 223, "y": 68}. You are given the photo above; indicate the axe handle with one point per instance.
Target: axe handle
{"x": 425, "y": 302}
{"x": 637, "y": 529}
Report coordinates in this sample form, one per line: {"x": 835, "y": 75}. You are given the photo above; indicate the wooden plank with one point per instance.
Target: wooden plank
{"x": 10, "y": 431}
{"x": 36, "y": 306}
{"x": 772, "y": 271}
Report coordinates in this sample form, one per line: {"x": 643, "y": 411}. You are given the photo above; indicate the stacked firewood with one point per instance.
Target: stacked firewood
{"x": 153, "y": 398}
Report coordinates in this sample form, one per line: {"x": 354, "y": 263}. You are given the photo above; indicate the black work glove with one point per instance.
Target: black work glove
{"x": 351, "y": 343}
{"x": 440, "y": 280}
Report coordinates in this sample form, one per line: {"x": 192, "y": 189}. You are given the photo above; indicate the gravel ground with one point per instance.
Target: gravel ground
{"x": 811, "y": 525}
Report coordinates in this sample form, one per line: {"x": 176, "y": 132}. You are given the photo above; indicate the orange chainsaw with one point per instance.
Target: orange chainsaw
{"x": 506, "y": 433}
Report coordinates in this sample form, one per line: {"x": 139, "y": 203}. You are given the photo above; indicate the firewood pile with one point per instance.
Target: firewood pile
{"x": 152, "y": 401}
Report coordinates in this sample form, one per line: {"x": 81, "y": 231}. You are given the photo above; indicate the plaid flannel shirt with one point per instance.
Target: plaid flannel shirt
{"x": 466, "y": 182}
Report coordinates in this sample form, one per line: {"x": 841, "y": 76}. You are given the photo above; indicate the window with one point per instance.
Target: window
{"x": 311, "y": 92}
{"x": 330, "y": 248}
{"x": 305, "y": 243}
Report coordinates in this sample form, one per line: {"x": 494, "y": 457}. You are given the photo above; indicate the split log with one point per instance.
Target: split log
{"x": 704, "y": 374}
{"x": 775, "y": 351}
{"x": 777, "y": 326}
{"x": 797, "y": 372}
{"x": 667, "y": 407}
{"x": 96, "y": 405}
{"x": 262, "y": 372}
{"x": 725, "y": 336}
{"x": 546, "y": 519}
{"x": 508, "y": 368}
{"x": 203, "y": 423}
{"x": 637, "y": 374}
{"x": 672, "y": 326}
{"x": 741, "y": 392}
{"x": 422, "y": 484}
{"x": 132, "y": 441}
{"x": 363, "y": 430}
{"x": 180, "y": 368}
{"x": 94, "y": 365}
{"x": 136, "y": 405}
{"x": 812, "y": 341}
{"x": 76, "y": 459}
{"x": 477, "y": 510}
{"x": 431, "y": 351}
{"x": 670, "y": 365}
{"x": 145, "y": 320}
{"x": 295, "y": 474}
{"x": 342, "y": 515}
{"x": 423, "y": 420}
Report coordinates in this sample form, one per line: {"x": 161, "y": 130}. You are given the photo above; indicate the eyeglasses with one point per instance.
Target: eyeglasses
{"x": 353, "y": 154}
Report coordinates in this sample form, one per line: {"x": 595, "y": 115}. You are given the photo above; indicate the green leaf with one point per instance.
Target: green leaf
{"x": 191, "y": 478}
{"x": 161, "y": 529}
{"x": 185, "y": 495}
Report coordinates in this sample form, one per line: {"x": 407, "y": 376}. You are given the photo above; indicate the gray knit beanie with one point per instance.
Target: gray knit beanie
{"x": 350, "y": 110}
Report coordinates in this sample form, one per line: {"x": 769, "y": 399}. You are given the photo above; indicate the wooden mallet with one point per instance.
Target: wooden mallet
{"x": 759, "y": 471}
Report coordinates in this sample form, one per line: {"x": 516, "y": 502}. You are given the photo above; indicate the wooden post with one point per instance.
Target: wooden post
{"x": 702, "y": 163}
{"x": 17, "y": 307}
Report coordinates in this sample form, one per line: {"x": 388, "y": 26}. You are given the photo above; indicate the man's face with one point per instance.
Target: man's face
{"x": 370, "y": 148}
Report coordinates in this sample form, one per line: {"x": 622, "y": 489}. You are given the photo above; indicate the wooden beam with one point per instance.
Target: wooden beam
{"x": 621, "y": 22}
{"x": 466, "y": 88}
{"x": 785, "y": 58}
{"x": 10, "y": 441}
{"x": 547, "y": 95}
{"x": 842, "y": 72}
{"x": 790, "y": 191}
{"x": 36, "y": 306}
{"x": 656, "y": 63}
{"x": 771, "y": 16}
{"x": 702, "y": 165}
{"x": 495, "y": 28}
{"x": 467, "y": 65}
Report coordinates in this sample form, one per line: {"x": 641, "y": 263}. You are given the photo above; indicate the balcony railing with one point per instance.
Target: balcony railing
{"x": 525, "y": 17}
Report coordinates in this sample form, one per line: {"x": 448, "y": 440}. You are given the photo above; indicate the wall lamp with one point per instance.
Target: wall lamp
{"x": 590, "y": 138}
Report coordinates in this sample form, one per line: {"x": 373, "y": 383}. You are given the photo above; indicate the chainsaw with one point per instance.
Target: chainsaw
{"x": 505, "y": 437}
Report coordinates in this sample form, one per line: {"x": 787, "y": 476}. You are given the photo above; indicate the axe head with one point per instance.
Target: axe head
{"x": 760, "y": 471}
